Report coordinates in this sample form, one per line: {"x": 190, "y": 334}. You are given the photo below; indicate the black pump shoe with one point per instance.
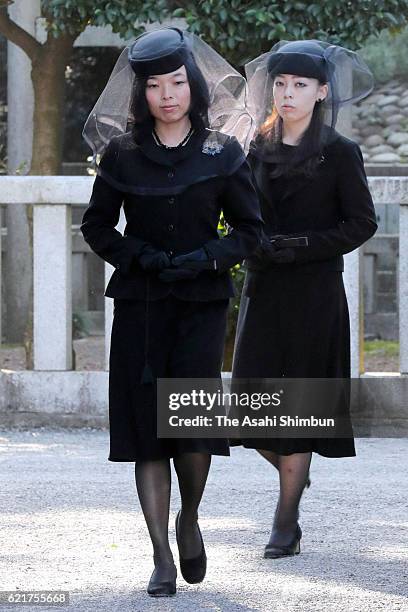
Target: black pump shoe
{"x": 291, "y": 549}
{"x": 193, "y": 570}
{"x": 160, "y": 585}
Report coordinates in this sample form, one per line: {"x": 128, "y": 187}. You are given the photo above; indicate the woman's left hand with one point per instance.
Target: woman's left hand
{"x": 196, "y": 260}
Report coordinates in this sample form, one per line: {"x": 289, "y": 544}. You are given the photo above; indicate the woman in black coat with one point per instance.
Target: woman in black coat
{"x": 293, "y": 319}
{"x": 171, "y": 286}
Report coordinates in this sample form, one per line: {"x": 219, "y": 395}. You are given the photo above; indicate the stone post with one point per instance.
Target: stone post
{"x": 52, "y": 287}
{"x": 352, "y": 276}
{"x": 20, "y": 100}
{"x": 403, "y": 287}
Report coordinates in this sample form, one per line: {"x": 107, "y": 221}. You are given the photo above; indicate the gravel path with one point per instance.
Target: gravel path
{"x": 70, "y": 520}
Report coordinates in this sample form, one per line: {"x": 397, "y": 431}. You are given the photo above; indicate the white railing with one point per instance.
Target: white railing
{"x": 53, "y": 197}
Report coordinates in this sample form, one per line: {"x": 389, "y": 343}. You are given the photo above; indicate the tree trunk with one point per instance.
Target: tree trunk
{"x": 48, "y": 76}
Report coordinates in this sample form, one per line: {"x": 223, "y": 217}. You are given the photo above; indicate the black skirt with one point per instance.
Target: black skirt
{"x": 297, "y": 327}
{"x": 185, "y": 340}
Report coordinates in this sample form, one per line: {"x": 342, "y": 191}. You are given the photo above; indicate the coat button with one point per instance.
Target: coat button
{"x": 171, "y": 174}
{"x": 171, "y": 200}
{"x": 117, "y": 266}
{"x": 171, "y": 228}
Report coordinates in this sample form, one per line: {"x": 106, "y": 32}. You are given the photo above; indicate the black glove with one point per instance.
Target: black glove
{"x": 282, "y": 256}
{"x": 196, "y": 260}
{"x": 270, "y": 252}
{"x": 173, "y": 274}
{"x": 153, "y": 260}
{"x": 260, "y": 257}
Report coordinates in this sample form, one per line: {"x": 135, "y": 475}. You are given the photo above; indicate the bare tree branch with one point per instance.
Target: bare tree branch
{"x": 17, "y": 35}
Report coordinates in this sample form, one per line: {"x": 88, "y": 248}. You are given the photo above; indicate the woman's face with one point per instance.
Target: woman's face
{"x": 168, "y": 95}
{"x": 295, "y": 96}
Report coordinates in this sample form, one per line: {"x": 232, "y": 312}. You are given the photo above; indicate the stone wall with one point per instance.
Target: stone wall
{"x": 380, "y": 124}
{"x": 3, "y": 103}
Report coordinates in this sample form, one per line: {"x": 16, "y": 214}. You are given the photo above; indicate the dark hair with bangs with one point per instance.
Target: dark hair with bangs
{"x": 308, "y": 152}
{"x": 200, "y": 101}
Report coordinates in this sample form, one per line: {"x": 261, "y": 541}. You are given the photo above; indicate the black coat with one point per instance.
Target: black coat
{"x": 334, "y": 210}
{"x": 173, "y": 201}
{"x": 293, "y": 318}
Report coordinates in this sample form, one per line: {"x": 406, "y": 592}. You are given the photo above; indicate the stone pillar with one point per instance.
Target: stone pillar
{"x": 52, "y": 287}
{"x": 1, "y": 279}
{"x": 403, "y": 287}
{"x": 20, "y": 93}
{"x": 20, "y": 99}
{"x": 352, "y": 268}
{"x": 352, "y": 265}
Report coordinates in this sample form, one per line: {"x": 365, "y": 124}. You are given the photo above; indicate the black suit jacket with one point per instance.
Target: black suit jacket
{"x": 334, "y": 210}
{"x": 173, "y": 201}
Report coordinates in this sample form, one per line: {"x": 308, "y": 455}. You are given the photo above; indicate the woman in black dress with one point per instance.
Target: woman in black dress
{"x": 171, "y": 286}
{"x": 293, "y": 320}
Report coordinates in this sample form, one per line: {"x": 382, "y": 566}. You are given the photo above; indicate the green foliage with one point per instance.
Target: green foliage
{"x": 388, "y": 348}
{"x": 238, "y": 276}
{"x": 387, "y": 55}
{"x": 242, "y": 30}
{"x": 125, "y": 16}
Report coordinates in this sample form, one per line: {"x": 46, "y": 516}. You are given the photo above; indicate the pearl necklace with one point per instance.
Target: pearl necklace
{"x": 180, "y": 144}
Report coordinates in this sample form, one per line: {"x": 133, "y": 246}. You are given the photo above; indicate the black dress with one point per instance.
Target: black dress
{"x": 293, "y": 320}
{"x": 172, "y": 200}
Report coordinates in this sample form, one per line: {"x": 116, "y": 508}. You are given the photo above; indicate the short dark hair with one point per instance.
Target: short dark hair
{"x": 200, "y": 101}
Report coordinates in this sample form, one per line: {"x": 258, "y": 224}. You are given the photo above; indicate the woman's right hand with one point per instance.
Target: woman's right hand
{"x": 259, "y": 259}
{"x": 153, "y": 260}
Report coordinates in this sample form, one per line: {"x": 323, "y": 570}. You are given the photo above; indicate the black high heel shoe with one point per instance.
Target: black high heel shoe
{"x": 160, "y": 585}
{"x": 293, "y": 548}
{"x": 193, "y": 570}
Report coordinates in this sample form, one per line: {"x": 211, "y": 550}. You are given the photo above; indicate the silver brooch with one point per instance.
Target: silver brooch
{"x": 212, "y": 147}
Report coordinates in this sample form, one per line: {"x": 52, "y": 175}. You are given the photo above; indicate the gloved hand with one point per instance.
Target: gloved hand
{"x": 259, "y": 259}
{"x": 196, "y": 260}
{"x": 281, "y": 256}
{"x": 270, "y": 253}
{"x": 173, "y": 274}
{"x": 153, "y": 260}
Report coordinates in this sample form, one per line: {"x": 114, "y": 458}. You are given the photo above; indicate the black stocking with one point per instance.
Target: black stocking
{"x": 270, "y": 456}
{"x": 192, "y": 471}
{"x": 273, "y": 458}
{"x": 293, "y": 474}
{"x": 153, "y": 482}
